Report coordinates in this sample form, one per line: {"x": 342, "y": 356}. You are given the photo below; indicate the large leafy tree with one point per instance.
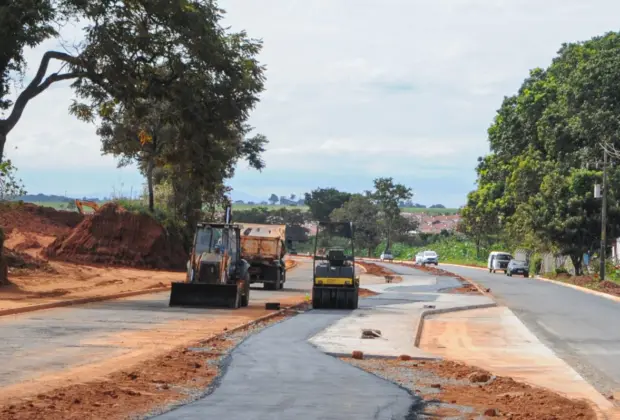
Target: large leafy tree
{"x": 546, "y": 148}
{"x": 135, "y": 50}
{"x": 365, "y": 217}
{"x": 387, "y": 194}
{"x": 323, "y": 201}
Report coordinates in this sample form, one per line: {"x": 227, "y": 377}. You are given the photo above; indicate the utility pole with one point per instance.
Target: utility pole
{"x": 604, "y": 217}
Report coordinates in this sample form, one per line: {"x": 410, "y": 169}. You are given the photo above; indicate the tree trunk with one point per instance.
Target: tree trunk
{"x": 2, "y": 142}
{"x": 4, "y": 280}
{"x": 149, "y": 181}
{"x": 576, "y": 260}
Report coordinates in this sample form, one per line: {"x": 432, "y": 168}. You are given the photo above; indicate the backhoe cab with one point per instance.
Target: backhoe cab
{"x": 217, "y": 276}
{"x": 335, "y": 285}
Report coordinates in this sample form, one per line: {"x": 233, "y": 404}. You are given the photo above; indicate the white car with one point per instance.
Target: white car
{"x": 386, "y": 256}
{"x": 427, "y": 257}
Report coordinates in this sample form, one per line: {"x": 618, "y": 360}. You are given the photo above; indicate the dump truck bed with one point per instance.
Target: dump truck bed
{"x": 256, "y": 247}
{"x": 262, "y": 246}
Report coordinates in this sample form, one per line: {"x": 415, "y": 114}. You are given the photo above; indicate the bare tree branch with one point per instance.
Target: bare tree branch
{"x": 610, "y": 149}
{"x": 38, "y": 85}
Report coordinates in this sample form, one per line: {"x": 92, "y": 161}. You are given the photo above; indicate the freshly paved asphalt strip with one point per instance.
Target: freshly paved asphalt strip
{"x": 581, "y": 328}
{"x": 278, "y": 374}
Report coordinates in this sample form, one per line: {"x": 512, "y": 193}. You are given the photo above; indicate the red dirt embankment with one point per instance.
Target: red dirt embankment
{"x": 28, "y": 217}
{"x": 115, "y": 236}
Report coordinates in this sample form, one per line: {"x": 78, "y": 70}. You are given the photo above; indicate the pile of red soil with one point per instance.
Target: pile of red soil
{"x": 115, "y": 236}
{"x": 27, "y": 217}
{"x": 15, "y": 259}
{"x": 590, "y": 282}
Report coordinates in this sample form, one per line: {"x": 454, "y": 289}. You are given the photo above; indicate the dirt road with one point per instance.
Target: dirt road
{"x": 44, "y": 349}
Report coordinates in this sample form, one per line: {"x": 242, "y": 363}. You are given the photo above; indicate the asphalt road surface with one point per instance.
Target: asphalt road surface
{"x": 581, "y": 328}
{"x": 55, "y": 340}
{"x": 277, "y": 374}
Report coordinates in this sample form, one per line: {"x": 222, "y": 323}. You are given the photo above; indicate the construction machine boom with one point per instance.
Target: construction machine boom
{"x": 80, "y": 205}
{"x": 335, "y": 285}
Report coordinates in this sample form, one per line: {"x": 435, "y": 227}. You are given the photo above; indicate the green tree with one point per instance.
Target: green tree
{"x": 323, "y": 201}
{"x": 137, "y": 51}
{"x": 273, "y": 199}
{"x": 365, "y": 217}
{"x": 10, "y": 185}
{"x": 546, "y": 148}
{"x": 387, "y": 195}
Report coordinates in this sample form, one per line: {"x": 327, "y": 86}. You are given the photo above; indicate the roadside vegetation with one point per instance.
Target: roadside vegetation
{"x": 535, "y": 190}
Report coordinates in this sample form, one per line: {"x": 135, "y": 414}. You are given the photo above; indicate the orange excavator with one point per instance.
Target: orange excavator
{"x": 80, "y": 205}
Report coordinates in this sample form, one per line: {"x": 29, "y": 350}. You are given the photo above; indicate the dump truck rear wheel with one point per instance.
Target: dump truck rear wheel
{"x": 278, "y": 284}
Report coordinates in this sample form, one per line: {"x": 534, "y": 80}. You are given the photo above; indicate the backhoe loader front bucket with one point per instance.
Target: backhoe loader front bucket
{"x": 324, "y": 297}
{"x": 204, "y": 295}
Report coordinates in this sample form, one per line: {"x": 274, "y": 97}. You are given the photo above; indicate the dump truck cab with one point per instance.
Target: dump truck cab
{"x": 335, "y": 285}
{"x": 216, "y": 273}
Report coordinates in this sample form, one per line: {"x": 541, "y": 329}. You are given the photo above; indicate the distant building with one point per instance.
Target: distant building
{"x": 428, "y": 223}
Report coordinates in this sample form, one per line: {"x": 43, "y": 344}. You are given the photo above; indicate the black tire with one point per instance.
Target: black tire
{"x": 490, "y": 271}
{"x": 278, "y": 284}
{"x": 526, "y": 275}
{"x": 245, "y": 300}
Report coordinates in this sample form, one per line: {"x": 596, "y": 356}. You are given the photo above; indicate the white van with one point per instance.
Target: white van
{"x": 498, "y": 261}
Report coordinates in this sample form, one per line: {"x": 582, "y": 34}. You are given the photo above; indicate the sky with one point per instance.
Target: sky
{"x": 356, "y": 89}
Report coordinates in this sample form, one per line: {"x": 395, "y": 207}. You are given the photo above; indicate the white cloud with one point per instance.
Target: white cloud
{"x": 393, "y": 87}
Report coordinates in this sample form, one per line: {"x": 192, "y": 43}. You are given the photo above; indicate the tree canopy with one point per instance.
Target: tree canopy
{"x": 323, "y": 201}
{"x": 365, "y": 217}
{"x": 167, "y": 86}
{"x": 546, "y": 152}
{"x": 387, "y": 195}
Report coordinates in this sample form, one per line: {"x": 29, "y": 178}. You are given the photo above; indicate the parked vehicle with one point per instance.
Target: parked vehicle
{"x": 427, "y": 257}
{"x": 498, "y": 261}
{"x": 518, "y": 267}
{"x": 386, "y": 256}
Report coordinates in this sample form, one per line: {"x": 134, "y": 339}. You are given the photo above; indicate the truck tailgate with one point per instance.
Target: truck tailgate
{"x": 253, "y": 247}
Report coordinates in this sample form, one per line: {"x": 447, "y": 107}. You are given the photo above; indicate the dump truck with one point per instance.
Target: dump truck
{"x": 262, "y": 246}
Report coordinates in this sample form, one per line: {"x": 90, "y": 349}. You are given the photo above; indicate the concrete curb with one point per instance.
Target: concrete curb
{"x": 381, "y": 356}
{"x": 466, "y": 266}
{"x": 580, "y": 288}
{"x": 560, "y": 283}
{"x": 81, "y": 301}
{"x": 258, "y": 320}
{"x": 429, "y": 312}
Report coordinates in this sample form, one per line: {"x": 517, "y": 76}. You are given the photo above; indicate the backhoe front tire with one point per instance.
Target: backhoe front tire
{"x": 245, "y": 300}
